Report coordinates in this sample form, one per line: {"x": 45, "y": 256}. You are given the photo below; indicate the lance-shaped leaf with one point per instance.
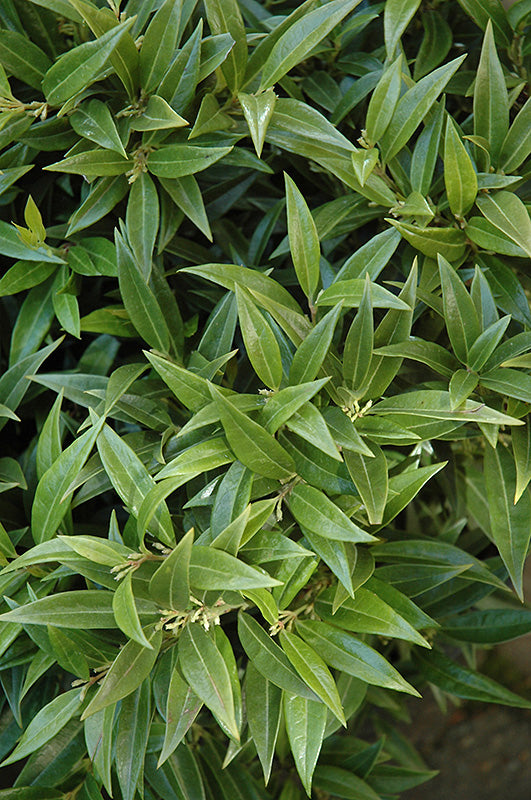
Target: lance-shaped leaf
{"x": 350, "y": 293}
{"x": 224, "y": 16}
{"x": 53, "y": 491}
{"x": 459, "y": 174}
{"x": 507, "y": 212}
{"x": 357, "y": 352}
{"x": 462, "y": 384}
{"x": 177, "y": 160}
{"x": 455, "y": 679}
{"x": 303, "y": 239}
{"x": 279, "y": 408}
{"x": 132, "y": 738}
{"x": 347, "y": 653}
{"x": 313, "y": 669}
{"x": 186, "y": 194}
{"x": 214, "y": 569}
{"x": 316, "y": 512}
{"x": 369, "y": 476}
{"x": 383, "y": 101}
{"x": 312, "y": 351}
{"x": 397, "y": 16}
{"x": 343, "y": 783}
{"x": 426, "y": 151}
{"x": 23, "y": 59}
{"x": 251, "y": 443}
{"x": 45, "y": 725}
{"x": 509, "y": 521}
{"x": 447, "y": 242}
{"x": 491, "y": 626}
{"x": 260, "y": 342}
{"x": 413, "y": 107}
{"x": 521, "y": 441}
{"x": 516, "y": 146}
{"x": 130, "y": 667}
{"x": 182, "y": 707}
{"x": 491, "y": 104}
{"x": 305, "y": 725}
{"x": 301, "y": 37}
{"x": 371, "y": 258}
{"x": 125, "y": 613}
{"x": 142, "y": 221}
{"x": 459, "y": 311}
{"x": 94, "y": 121}
{"x": 78, "y": 67}
{"x": 258, "y": 110}
{"x": 76, "y": 609}
{"x": 269, "y": 659}
{"x": 159, "y": 43}
{"x": 205, "y": 670}
{"x": 436, "y": 404}
{"x": 170, "y": 584}
{"x": 262, "y": 703}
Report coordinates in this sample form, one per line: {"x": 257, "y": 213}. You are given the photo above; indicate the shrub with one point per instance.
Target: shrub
{"x": 267, "y": 450}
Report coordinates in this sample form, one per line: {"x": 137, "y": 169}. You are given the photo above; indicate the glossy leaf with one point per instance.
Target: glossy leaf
{"x": 303, "y": 239}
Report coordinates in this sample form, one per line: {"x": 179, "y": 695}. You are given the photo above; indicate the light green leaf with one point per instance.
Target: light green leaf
{"x": 507, "y": 212}
{"x": 432, "y": 242}
{"x": 315, "y": 511}
{"x": 170, "y": 584}
{"x": 459, "y": 174}
{"x": 460, "y": 314}
{"x": 397, "y": 16}
{"x": 516, "y": 146}
{"x": 251, "y": 443}
{"x": 279, "y": 408}
{"x": 125, "y": 613}
{"x": 369, "y": 476}
{"x": 260, "y": 342}
{"x": 79, "y": 67}
{"x": 383, "y": 101}
{"x": 157, "y": 115}
{"x": 357, "y": 353}
{"x": 491, "y": 105}
{"x": 186, "y": 194}
{"x": 258, "y": 110}
{"x": 301, "y": 37}
{"x": 462, "y": 384}
{"x": 182, "y": 707}
{"x": 132, "y": 738}
{"x": 224, "y": 16}
{"x": 350, "y": 293}
{"x": 521, "y": 441}
{"x": 303, "y": 239}
{"x": 94, "y": 121}
{"x": 312, "y": 351}
{"x": 305, "y": 725}
{"x": 214, "y": 569}
{"x": 22, "y": 58}
{"x": 313, "y": 670}
{"x": 509, "y": 521}
{"x": 262, "y": 703}
{"x": 177, "y": 160}
{"x": 130, "y": 667}
{"x": 205, "y": 670}
{"x": 159, "y": 44}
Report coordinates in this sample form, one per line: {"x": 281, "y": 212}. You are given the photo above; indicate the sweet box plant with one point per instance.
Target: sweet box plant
{"x": 266, "y": 375}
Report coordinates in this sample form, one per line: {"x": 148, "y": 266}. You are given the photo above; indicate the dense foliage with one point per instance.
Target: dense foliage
{"x": 266, "y": 375}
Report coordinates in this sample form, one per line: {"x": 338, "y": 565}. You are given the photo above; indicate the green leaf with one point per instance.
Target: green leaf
{"x": 269, "y": 659}
{"x": 462, "y": 384}
{"x": 491, "y": 626}
{"x": 507, "y": 213}
{"x": 485, "y": 11}
{"x": 491, "y": 105}
{"x": 310, "y": 424}
{"x": 509, "y": 522}
{"x": 79, "y": 67}
{"x": 170, "y": 584}
{"x": 100, "y": 551}
{"x": 350, "y": 292}
{"x": 186, "y": 194}
{"x": 87, "y": 609}
{"x": 303, "y": 239}
{"x": 433, "y": 355}
{"x": 315, "y": 511}
{"x": 205, "y": 670}
{"x": 182, "y": 707}
{"x": 23, "y": 275}
{"x": 214, "y": 569}
{"x": 368, "y": 613}
{"x": 486, "y": 343}
{"x": 371, "y": 258}
{"x": 432, "y": 242}
{"x": 142, "y": 222}
{"x": 251, "y": 443}
{"x": 345, "y": 652}
{"x": 516, "y": 146}
{"x": 22, "y": 58}
{"x": 125, "y": 613}
{"x": 313, "y": 670}
{"x": 177, "y": 160}
{"x": 311, "y": 353}
{"x": 397, "y": 16}
{"x": 343, "y": 783}
{"x": 357, "y": 351}
{"x": 426, "y": 151}
{"x": 413, "y": 107}
{"x": 459, "y": 174}
{"x": 508, "y": 382}
{"x": 436, "y": 405}
{"x": 130, "y": 667}
{"x": 262, "y": 702}
{"x": 435, "y": 45}
{"x": 50, "y": 503}
{"x": 132, "y": 738}
{"x": 383, "y": 101}
{"x": 46, "y": 724}
{"x": 459, "y": 311}
{"x": 462, "y": 682}
{"x": 521, "y": 441}
{"x": 258, "y": 110}
{"x": 224, "y": 16}
{"x": 369, "y": 476}
{"x": 159, "y": 44}
{"x": 260, "y": 341}
{"x": 104, "y": 195}
{"x": 139, "y": 300}
{"x": 156, "y": 116}
{"x": 305, "y": 725}
{"x": 279, "y": 408}
{"x": 301, "y": 37}
{"x": 91, "y": 164}
{"x": 94, "y": 121}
